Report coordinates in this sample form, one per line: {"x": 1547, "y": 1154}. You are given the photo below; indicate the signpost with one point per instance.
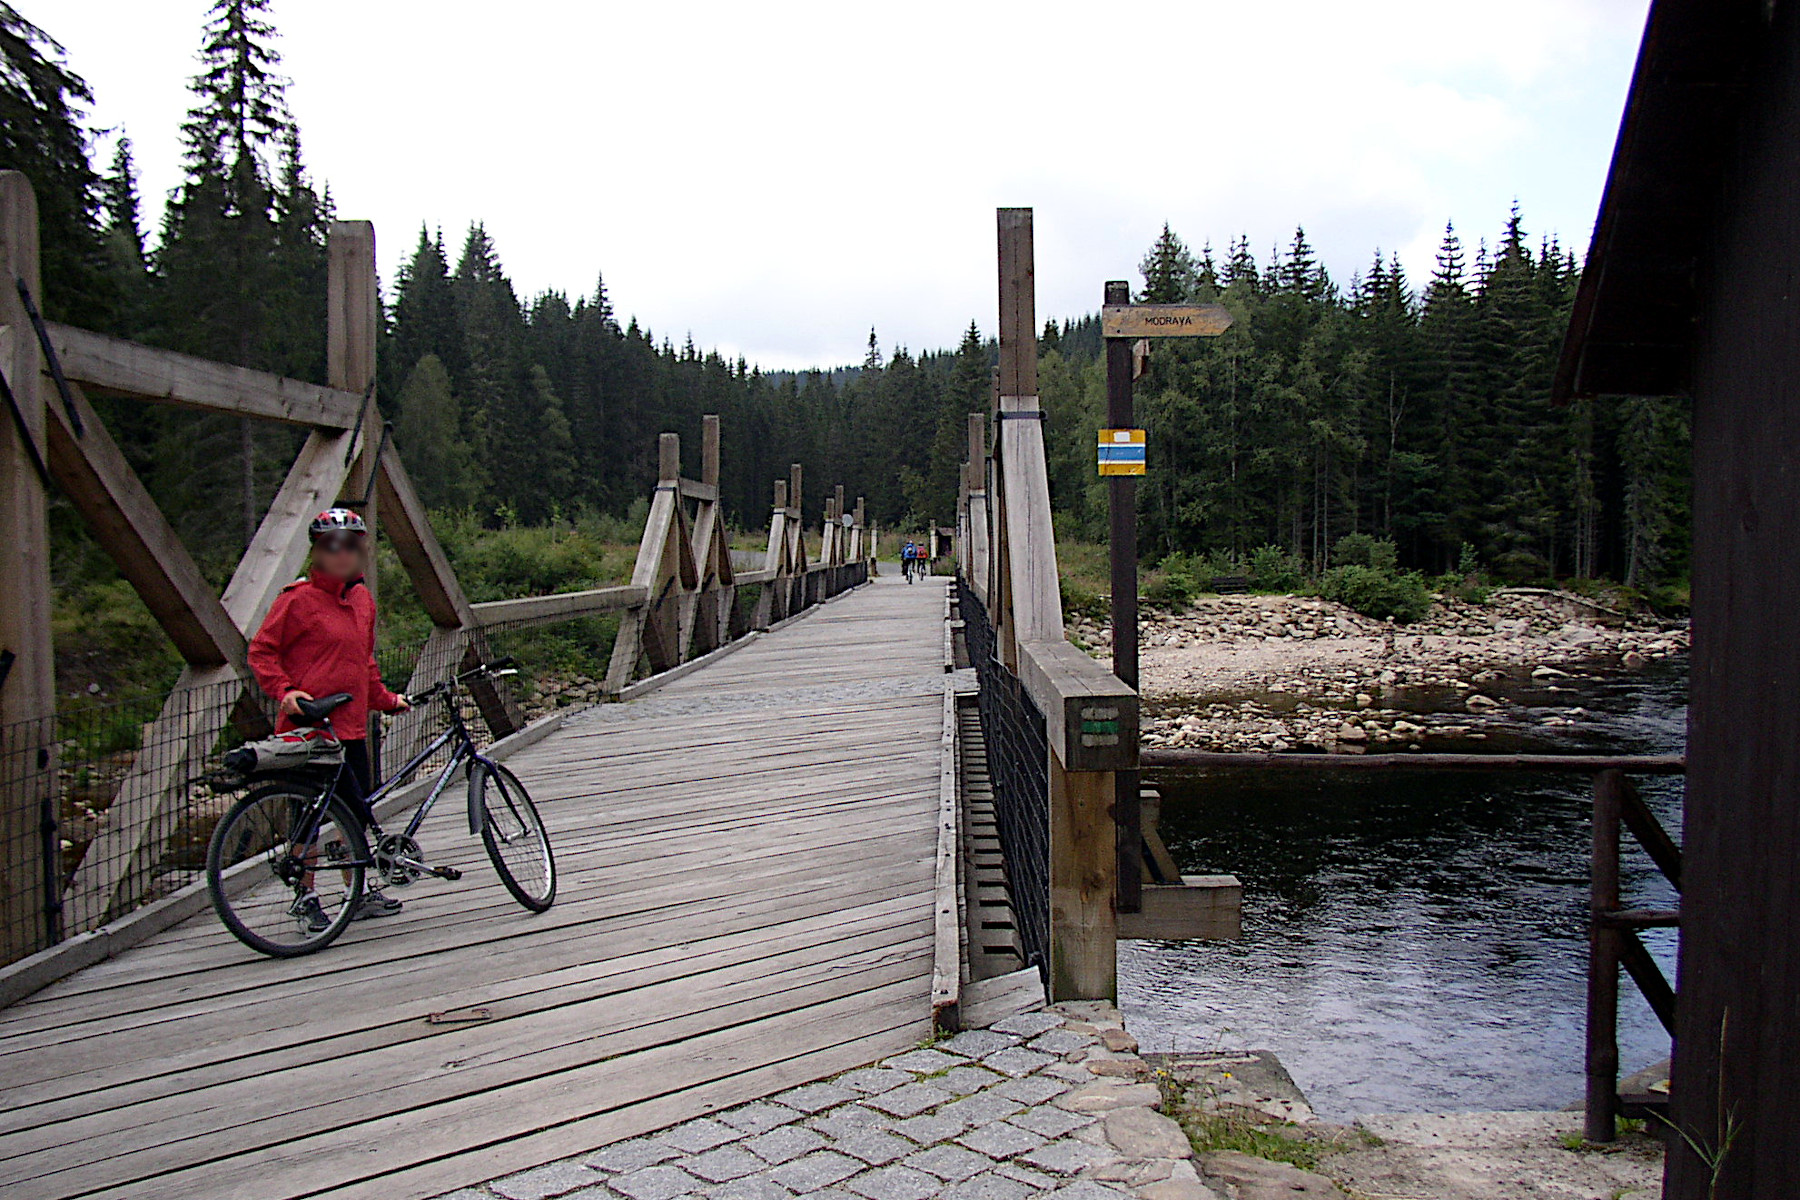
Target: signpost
{"x": 1121, "y": 460}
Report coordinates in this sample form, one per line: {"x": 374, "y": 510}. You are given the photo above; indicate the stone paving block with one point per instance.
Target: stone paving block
{"x": 935, "y": 1127}
{"x": 468, "y": 1194}
{"x": 1106, "y": 1095}
{"x": 785, "y": 1144}
{"x": 1087, "y": 1189}
{"x": 872, "y": 1080}
{"x": 875, "y": 1147}
{"x": 1052, "y": 1122}
{"x": 540, "y": 1183}
{"x": 815, "y": 1097}
{"x": 750, "y": 1188}
{"x": 981, "y": 1108}
{"x": 1065, "y": 1157}
{"x": 849, "y": 1119}
{"x": 1143, "y": 1133}
{"x": 894, "y": 1183}
{"x": 759, "y": 1117}
{"x": 1074, "y": 1072}
{"x": 1061, "y": 1041}
{"x": 724, "y": 1164}
{"x": 1016, "y": 1060}
{"x": 696, "y": 1137}
{"x": 1027, "y": 1175}
{"x": 960, "y": 1081}
{"x": 1033, "y": 1089}
{"x": 1001, "y": 1139}
{"x": 952, "y": 1163}
{"x": 909, "y": 1101}
{"x": 979, "y": 1043}
{"x": 655, "y": 1183}
{"x": 1027, "y": 1024}
{"x": 820, "y": 1169}
{"x": 630, "y": 1156}
{"x": 989, "y": 1186}
{"x": 923, "y": 1062}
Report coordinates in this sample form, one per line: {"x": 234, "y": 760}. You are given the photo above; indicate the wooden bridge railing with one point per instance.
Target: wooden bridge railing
{"x": 1057, "y": 724}
{"x": 678, "y": 606}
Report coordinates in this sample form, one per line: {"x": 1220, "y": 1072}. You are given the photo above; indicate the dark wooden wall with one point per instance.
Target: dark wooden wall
{"x": 1739, "y": 1011}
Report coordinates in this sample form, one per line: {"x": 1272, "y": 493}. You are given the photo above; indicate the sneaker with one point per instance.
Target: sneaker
{"x": 375, "y": 904}
{"x": 310, "y": 914}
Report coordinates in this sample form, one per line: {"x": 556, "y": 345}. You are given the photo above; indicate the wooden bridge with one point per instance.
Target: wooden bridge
{"x": 748, "y": 858}
{"x": 783, "y": 852}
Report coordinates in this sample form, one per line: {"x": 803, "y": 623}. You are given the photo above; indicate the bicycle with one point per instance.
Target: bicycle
{"x": 293, "y": 835}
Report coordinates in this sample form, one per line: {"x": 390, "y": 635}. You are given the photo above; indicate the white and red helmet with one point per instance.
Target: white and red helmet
{"x": 336, "y": 520}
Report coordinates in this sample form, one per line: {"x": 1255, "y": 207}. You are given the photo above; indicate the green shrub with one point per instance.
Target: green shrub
{"x": 1378, "y": 594}
{"x": 1363, "y": 550}
{"x": 1175, "y": 588}
{"x": 1080, "y": 600}
{"x": 1273, "y": 569}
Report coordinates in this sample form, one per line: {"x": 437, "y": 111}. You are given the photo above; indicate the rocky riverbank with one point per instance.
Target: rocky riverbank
{"x": 1299, "y": 673}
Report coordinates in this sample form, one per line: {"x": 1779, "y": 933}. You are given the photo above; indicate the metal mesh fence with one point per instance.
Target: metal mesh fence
{"x": 1018, "y": 761}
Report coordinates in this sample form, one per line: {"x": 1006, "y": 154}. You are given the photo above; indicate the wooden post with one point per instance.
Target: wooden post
{"x": 1121, "y": 503}
{"x": 668, "y": 459}
{"x": 353, "y": 325}
{"x": 1083, "y": 927}
{"x": 28, "y": 919}
{"x": 709, "y": 450}
{"x": 353, "y": 317}
{"x": 1603, "y": 962}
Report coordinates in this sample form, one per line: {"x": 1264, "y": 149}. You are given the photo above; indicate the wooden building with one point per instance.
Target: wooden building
{"x": 1692, "y": 286}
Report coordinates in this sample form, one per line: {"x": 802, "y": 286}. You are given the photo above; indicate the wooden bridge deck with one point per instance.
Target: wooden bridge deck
{"x": 746, "y": 865}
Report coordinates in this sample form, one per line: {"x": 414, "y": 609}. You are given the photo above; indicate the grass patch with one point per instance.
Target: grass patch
{"x": 1213, "y": 1132}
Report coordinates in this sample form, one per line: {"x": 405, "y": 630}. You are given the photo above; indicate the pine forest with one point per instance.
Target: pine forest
{"x": 1407, "y": 410}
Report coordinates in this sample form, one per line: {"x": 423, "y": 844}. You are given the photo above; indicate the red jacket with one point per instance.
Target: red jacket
{"x": 319, "y": 637}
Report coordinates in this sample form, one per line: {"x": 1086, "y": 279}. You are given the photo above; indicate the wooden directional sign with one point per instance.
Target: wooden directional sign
{"x": 1163, "y": 320}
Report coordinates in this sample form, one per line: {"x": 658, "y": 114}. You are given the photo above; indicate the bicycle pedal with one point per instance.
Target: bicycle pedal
{"x": 450, "y": 873}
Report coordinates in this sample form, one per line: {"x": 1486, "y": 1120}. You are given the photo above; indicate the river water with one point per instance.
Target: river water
{"x": 1415, "y": 942}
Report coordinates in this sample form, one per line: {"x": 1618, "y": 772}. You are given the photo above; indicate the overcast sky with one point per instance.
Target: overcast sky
{"x": 778, "y": 177}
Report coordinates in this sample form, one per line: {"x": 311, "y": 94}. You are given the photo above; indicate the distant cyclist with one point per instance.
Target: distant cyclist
{"x": 319, "y": 639}
{"x": 909, "y": 560}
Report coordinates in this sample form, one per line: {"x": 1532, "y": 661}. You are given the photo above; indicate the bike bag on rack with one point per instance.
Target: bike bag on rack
{"x": 290, "y": 751}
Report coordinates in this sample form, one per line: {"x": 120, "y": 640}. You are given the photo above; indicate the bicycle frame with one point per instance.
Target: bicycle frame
{"x": 465, "y": 755}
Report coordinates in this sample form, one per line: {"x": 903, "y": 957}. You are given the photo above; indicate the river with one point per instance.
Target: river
{"x": 1415, "y": 942}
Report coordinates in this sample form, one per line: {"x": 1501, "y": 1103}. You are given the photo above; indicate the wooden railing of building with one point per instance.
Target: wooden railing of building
{"x": 679, "y": 604}
{"x": 1006, "y": 554}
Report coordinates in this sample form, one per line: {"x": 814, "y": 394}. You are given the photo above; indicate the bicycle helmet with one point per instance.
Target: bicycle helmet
{"x": 336, "y": 520}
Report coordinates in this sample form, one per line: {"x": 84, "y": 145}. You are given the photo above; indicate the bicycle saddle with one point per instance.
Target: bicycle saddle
{"x": 314, "y": 711}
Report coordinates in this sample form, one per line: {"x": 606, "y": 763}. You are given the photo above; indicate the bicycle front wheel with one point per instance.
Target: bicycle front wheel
{"x": 516, "y": 840}
{"x": 274, "y": 883}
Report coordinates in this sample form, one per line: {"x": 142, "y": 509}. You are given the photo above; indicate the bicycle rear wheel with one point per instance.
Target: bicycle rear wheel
{"x": 516, "y": 840}
{"x": 260, "y": 869}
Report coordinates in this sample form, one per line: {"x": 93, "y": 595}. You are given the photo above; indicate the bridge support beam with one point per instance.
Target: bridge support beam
{"x": 28, "y": 868}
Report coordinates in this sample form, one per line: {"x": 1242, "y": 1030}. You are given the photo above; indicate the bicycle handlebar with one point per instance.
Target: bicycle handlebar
{"x": 500, "y": 666}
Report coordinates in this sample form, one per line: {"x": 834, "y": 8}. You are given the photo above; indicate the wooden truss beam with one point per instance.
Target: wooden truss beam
{"x": 114, "y": 366}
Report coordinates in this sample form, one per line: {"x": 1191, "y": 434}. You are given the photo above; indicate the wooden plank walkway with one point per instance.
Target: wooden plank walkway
{"x": 746, "y": 861}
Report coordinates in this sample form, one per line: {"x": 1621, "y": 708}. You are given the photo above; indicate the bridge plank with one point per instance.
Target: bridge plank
{"x": 747, "y": 903}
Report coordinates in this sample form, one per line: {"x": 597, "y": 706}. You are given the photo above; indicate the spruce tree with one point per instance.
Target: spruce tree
{"x": 122, "y": 223}
{"x": 222, "y": 292}
{"x": 41, "y": 109}
{"x": 429, "y": 435}
{"x": 1170, "y": 272}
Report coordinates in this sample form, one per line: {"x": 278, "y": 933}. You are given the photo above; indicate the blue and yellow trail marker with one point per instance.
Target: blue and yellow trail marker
{"x": 1121, "y": 452}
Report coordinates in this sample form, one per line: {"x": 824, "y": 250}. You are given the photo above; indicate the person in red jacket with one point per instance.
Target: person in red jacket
{"x": 319, "y": 639}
